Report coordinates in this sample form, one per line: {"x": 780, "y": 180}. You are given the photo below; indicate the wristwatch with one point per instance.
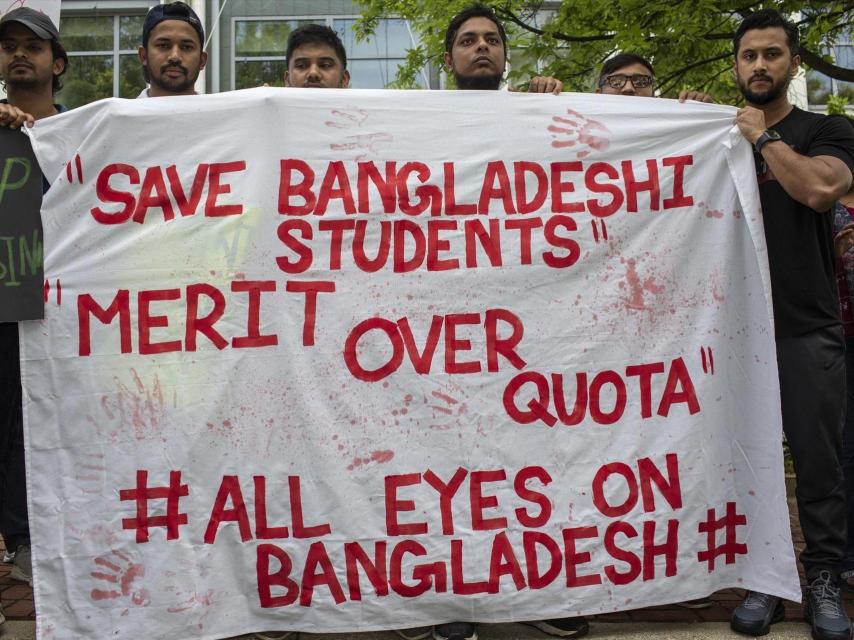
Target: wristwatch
{"x": 769, "y": 135}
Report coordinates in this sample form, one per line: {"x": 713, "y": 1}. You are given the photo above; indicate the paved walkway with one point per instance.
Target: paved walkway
{"x": 669, "y": 621}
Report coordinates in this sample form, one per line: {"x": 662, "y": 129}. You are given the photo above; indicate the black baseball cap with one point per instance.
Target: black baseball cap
{"x": 35, "y": 21}
{"x": 172, "y": 11}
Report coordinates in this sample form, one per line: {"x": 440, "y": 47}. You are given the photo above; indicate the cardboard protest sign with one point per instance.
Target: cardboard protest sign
{"x": 331, "y": 361}
{"x": 21, "y": 269}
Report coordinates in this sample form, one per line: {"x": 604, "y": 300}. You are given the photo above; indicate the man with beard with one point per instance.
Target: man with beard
{"x": 805, "y": 163}
{"x": 171, "y": 53}
{"x": 31, "y": 62}
{"x": 476, "y": 52}
{"x": 316, "y": 59}
{"x": 476, "y": 55}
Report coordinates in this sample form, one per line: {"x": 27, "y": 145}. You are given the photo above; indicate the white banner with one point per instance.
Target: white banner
{"x": 350, "y": 360}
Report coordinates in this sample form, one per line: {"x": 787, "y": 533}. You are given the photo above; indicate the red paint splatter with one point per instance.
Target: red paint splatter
{"x": 714, "y": 213}
{"x": 382, "y": 456}
{"x": 637, "y": 287}
{"x": 442, "y": 396}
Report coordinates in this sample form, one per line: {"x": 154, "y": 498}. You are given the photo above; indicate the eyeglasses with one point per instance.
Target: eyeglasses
{"x": 618, "y": 80}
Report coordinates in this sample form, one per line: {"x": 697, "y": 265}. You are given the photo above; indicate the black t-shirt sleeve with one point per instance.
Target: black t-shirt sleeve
{"x": 833, "y": 137}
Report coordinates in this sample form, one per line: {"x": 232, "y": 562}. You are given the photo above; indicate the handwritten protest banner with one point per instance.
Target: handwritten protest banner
{"x": 351, "y": 360}
{"x": 21, "y": 270}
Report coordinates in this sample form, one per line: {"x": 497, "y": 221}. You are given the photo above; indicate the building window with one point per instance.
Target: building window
{"x": 821, "y": 87}
{"x": 102, "y": 58}
{"x": 260, "y": 43}
{"x": 259, "y": 51}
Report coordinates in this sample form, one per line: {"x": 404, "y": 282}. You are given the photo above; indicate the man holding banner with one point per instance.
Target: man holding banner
{"x": 476, "y": 55}
{"x": 31, "y": 62}
{"x": 316, "y": 59}
{"x": 805, "y": 163}
{"x": 172, "y": 51}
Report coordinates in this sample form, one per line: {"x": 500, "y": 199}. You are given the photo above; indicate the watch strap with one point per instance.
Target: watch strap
{"x": 769, "y": 135}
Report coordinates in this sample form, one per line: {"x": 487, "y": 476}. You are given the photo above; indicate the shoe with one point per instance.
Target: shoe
{"x": 824, "y": 609}
{"x": 8, "y": 556}
{"x": 274, "y": 635}
{"x": 699, "y": 603}
{"x": 455, "y": 631}
{"x": 562, "y": 627}
{"x": 846, "y": 581}
{"x": 756, "y": 613}
{"x": 416, "y": 633}
{"x": 22, "y": 567}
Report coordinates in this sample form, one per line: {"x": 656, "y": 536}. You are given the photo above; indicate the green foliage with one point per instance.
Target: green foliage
{"x": 836, "y": 105}
{"x": 689, "y": 43}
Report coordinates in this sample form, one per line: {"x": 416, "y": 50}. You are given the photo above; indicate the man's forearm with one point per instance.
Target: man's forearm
{"x": 816, "y": 182}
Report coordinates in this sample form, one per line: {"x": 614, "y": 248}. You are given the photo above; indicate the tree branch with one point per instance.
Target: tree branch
{"x": 506, "y": 14}
{"x": 828, "y": 69}
{"x": 694, "y": 65}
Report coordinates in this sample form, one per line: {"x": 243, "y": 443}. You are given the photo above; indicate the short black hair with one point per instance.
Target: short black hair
{"x": 623, "y": 60}
{"x": 316, "y": 34}
{"x": 476, "y": 10}
{"x": 767, "y": 19}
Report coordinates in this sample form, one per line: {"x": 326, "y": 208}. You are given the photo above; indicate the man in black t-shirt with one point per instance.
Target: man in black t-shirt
{"x": 805, "y": 163}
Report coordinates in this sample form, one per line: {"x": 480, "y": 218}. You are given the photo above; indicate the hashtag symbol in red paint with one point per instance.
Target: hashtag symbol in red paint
{"x": 171, "y": 520}
{"x": 711, "y": 526}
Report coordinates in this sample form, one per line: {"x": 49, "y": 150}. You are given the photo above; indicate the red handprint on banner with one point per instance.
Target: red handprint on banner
{"x": 116, "y": 577}
{"x": 579, "y": 133}
{"x": 371, "y": 142}
{"x": 137, "y": 409}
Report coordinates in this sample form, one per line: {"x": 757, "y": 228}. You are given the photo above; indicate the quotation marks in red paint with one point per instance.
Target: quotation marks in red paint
{"x": 75, "y": 171}
{"x": 597, "y": 234}
{"x": 116, "y": 577}
{"x": 142, "y": 494}
{"x": 731, "y": 547}
{"x": 579, "y": 134}
{"x": 708, "y": 359}
{"x": 57, "y": 291}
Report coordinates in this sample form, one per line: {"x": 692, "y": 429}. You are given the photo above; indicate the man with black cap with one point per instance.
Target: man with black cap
{"x": 31, "y": 62}
{"x": 172, "y": 53}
